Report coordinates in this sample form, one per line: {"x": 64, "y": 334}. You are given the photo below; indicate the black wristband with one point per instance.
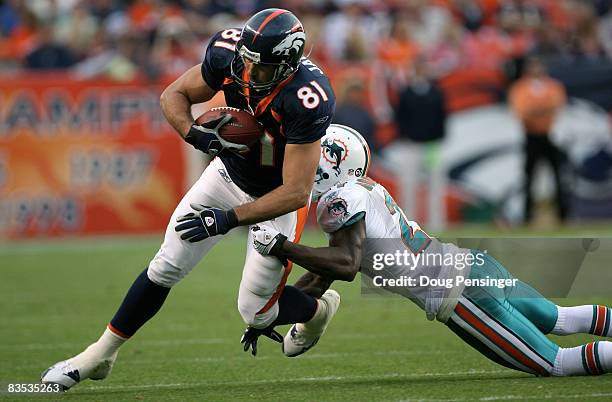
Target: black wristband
{"x": 232, "y": 218}
{"x": 192, "y": 136}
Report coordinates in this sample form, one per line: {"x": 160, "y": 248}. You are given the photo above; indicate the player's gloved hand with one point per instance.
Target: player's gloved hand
{"x": 251, "y": 335}
{"x": 268, "y": 241}
{"x": 206, "y": 138}
{"x": 205, "y": 222}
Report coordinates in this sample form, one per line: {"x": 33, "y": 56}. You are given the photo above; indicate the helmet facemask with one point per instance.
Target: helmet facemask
{"x": 271, "y": 42}
{"x": 279, "y": 71}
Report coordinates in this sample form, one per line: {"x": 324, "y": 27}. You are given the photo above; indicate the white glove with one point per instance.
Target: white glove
{"x": 267, "y": 240}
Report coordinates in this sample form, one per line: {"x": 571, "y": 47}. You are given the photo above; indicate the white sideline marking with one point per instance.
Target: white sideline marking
{"x": 241, "y": 357}
{"x": 288, "y": 380}
{"x": 163, "y": 342}
{"x": 512, "y": 397}
{"x": 312, "y": 356}
{"x": 68, "y": 345}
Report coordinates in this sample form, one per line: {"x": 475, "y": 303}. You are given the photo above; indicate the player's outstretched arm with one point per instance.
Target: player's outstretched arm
{"x": 299, "y": 168}
{"x": 177, "y": 98}
{"x": 339, "y": 261}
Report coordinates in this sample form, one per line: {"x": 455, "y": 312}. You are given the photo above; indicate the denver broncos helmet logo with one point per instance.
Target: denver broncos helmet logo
{"x": 290, "y": 43}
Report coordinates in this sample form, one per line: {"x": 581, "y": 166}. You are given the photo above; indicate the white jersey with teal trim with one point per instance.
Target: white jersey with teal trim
{"x": 405, "y": 259}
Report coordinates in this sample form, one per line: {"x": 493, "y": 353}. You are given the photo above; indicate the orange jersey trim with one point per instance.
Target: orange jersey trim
{"x": 302, "y": 215}
{"x": 265, "y": 102}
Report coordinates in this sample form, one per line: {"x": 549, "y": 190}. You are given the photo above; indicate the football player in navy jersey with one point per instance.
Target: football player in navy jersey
{"x": 260, "y": 68}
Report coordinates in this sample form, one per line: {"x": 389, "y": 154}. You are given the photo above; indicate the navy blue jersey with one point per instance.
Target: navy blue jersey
{"x": 298, "y": 111}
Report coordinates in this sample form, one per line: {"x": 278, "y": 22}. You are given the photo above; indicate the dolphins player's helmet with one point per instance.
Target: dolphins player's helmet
{"x": 345, "y": 155}
{"x": 272, "y": 42}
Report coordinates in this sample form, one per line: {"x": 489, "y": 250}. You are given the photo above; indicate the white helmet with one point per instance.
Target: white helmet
{"x": 345, "y": 155}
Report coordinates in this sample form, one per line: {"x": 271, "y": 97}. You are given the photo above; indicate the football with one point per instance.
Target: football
{"x": 243, "y": 128}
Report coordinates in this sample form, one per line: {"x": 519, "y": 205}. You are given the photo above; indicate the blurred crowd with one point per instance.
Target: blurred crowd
{"x": 412, "y": 62}
{"x": 121, "y": 38}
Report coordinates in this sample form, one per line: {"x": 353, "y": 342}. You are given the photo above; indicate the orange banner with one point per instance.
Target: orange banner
{"x": 85, "y": 157}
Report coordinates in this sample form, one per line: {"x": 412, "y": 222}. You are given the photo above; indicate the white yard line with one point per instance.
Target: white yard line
{"x": 512, "y": 398}
{"x": 287, "y": 380}
{"x": 74, "y": 345}
{"x": 241, "y": 356}
{"x": 169, "y": 342}
{"x": 559, "y": 396}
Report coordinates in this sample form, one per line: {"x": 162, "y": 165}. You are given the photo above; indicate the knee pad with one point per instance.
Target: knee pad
{"x": 163, "y": 273}
{"x": 251, "y": 317}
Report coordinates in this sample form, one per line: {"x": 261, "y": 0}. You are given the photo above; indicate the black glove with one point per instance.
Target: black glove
{"x": 206, "y": 138}
{"x": 251, "y": 335}
{"x": 205, "y": 222}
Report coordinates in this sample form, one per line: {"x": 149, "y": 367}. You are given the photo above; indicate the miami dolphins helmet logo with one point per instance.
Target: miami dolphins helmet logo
{"x": 334, "y": 151}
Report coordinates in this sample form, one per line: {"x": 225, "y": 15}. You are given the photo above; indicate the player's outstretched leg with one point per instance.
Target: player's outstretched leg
{"x": 504, "y": 335}
{"x": 594, "y": 358}
{"x": 510, "y": 330}
{"x": 303, "y": 336}
{"x": 559, "y": 320}
{"x": 142, "y": 301}
{"x": 589, "y": 319}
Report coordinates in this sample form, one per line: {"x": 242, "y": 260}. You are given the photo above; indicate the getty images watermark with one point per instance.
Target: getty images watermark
{"x": 559, "y": 267}
{"x": 428, "y": 266}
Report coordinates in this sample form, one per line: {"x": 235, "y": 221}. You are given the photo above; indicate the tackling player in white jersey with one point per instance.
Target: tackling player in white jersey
{"x": 362, "y": 222}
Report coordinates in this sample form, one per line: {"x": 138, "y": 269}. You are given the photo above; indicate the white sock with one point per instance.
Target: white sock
{"x": 315, "y": 322}
{"x": 594, "y": 358}
{"x": 105, "y": 348}
{"x": 109, "y": 343}
{"x": 589, "y": 319}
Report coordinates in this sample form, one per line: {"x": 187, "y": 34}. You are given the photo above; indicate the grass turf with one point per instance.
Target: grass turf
{"x": 58, "y": 296}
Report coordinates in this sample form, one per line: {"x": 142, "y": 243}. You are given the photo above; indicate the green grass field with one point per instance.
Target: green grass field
{"x": 58, "y": 296}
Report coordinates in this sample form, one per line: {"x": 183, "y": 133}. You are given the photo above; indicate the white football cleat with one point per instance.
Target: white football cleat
{"x": 302, "y": 337}
{"x": 68, "y": 373}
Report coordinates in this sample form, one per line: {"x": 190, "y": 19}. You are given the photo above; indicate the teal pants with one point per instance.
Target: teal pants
{"x": 508, "y": 325}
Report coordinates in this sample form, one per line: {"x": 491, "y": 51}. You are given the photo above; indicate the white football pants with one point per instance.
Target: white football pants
{"x": 263, "y": 277}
